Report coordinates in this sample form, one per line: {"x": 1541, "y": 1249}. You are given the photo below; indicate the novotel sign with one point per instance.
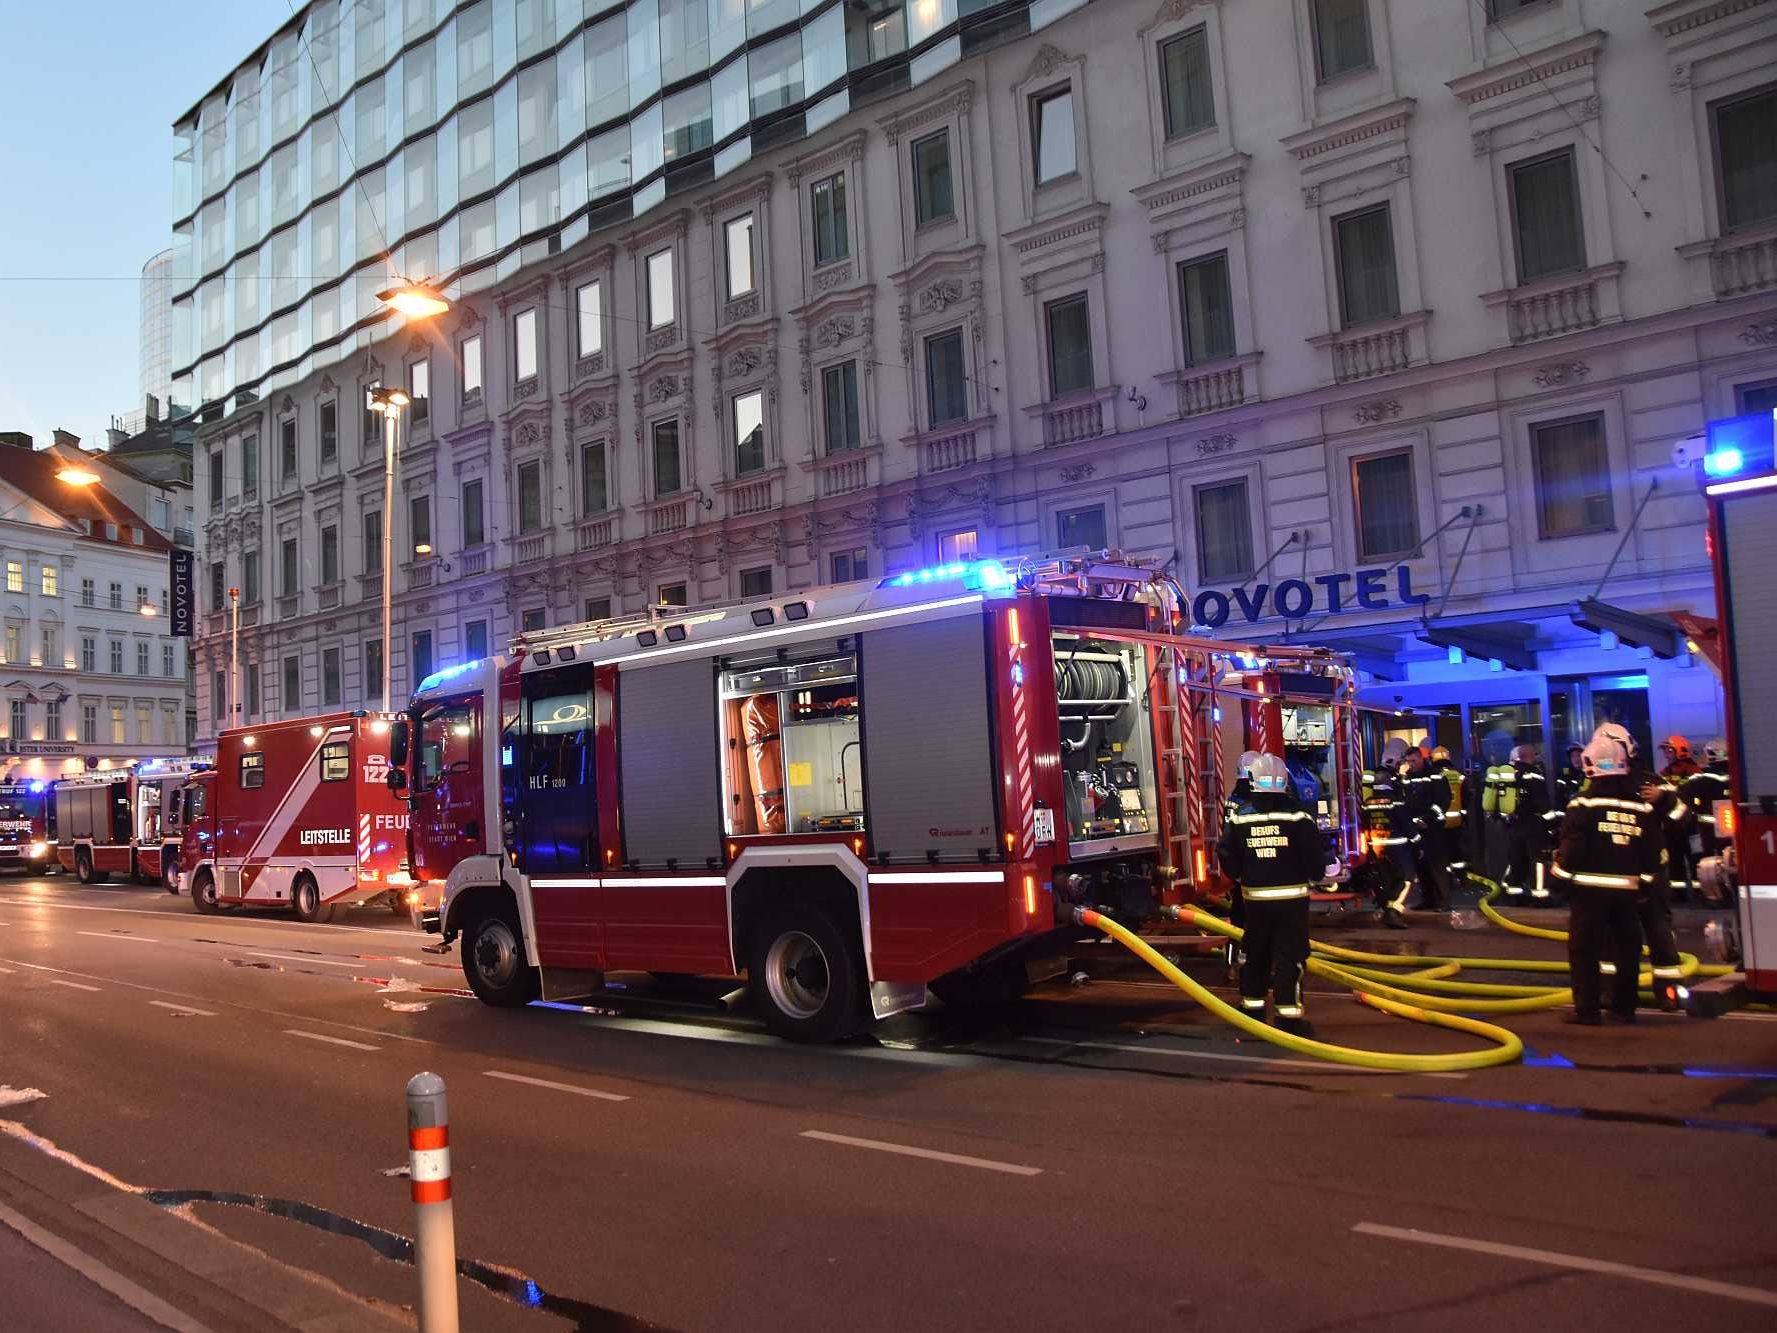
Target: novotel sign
{"x": 1295, "y": 599}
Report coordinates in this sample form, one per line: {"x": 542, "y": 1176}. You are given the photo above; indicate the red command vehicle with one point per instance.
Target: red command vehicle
{"x": 295, "y": 813}
{"x": 850, "y": 793}
{"x": 27, "y": 826}
{"x": 124, "y": 822}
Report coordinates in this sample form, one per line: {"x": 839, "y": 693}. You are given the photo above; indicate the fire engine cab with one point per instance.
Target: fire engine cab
{"x": 123, "y": 822}
{"x": 848, "y": 793}
{"x": 27, "y": 826}
{"x": 296, "y": 813}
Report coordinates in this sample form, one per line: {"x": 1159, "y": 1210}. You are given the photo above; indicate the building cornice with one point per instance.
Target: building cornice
{"x": 1534, "y": 66}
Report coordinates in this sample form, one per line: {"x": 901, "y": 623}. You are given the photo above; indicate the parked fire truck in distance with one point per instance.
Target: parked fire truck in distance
{"x": 849, "y": 793}
{"x": 27, "y": 826}
{"x": 296, "y": 814}
{"x": 123, "y": 822}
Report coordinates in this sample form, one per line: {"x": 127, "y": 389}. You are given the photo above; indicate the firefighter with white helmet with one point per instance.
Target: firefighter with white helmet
{"x": 1702, "y": 790}
{"x": 1271, "y": 848}
{"x": 1531, "y": 821}
{"x": 1236, "y": 798}
{"x": 1653, "y": 903}
{"x": 1612, "y": 847}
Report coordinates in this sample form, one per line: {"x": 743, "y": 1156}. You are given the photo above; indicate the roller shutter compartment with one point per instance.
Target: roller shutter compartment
{"x": 670, "y": 764}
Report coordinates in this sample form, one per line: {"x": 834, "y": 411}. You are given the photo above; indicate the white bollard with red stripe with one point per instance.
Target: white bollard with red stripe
{"x": 434, "y": 1235}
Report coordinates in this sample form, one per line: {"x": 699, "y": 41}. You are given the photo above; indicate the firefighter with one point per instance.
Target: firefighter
{"x": 1232, "y": 804}
{"x": 1390, "y": 833}
{"x": 1679, "y": 768}
{"x": 1271, "y": 847}
{"x": 1426, "y": 792}
{"x": 1531, "y": 824}
{"x": 1679, "y": 765}
{"x": 1571, "y": 777}
{"x": 1653, "y": 902}
{"x": 1499, "y": 801}
{"x": 1702, "y": 790}
{"x": 1611, "y": 846}
{"x": 1455, "y": 850}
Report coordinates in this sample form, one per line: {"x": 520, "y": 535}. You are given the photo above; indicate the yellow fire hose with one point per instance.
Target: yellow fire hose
{"x": 1692, "y": 966}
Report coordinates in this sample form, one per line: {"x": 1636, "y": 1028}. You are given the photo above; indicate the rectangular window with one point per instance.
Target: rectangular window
{"x": 1498, "y": 9}
{"x": 49, "y": 580}
{"x": 597, "y": 608}
{"x": 373, "y": 420}
{"x": 1744, "y": 130}
{"x": 846, "y": 566}
{"x": 15, "y": 641}
{"x": 672, "y": 594}
{"x": 16, "y": 719}
{"x": 421, "y": 655}
{"x": 50, "y": 641}
{"x": 749, "y": 433}
{"x": 373, "y": 665}
{"x": 419, "y": 524}
{"x": 329, "y": 555}
{"x": 1572, "y": 478}
{"x": 373, "y": 542}
{"x": 116, "y": 657}
{"x": 932, "y": 198}
{"x": 330, "y": 678}
{"x": 589, "y": 313}
{"x": 216, "y": 479}
{"x": 1363, "y": 246}
{"x": 88, "y": 593}
{"x": 329, "y": 431}
{"x": 15, "y": 576}
{"x": 89, "y": 653}
{"x": 472, "y": 369}
{"x": 116, "y": 590}
{"x": 594, "y": 494}
{"x": 1224, "y": 532}
{"x": 1759, "y": 396}
{"x": 1546, "y": 216}
{"x": 336, "y": 761}
{"x": 89, "y": 714}
{"x": 250, "y": 578}
{"x": 533, "y": 620}
{"x": 1081, "y": 527}
{"x": 960, "y": 545}
{"x": 292, "y": 683}
{"x": 755, "y": 582}
{"x": 1052, "y": 135}
{"x": 253, "y": 769}
{"x": 288, "y": 574}
{"x": 475, "y": 640}
{"x": 474, "y": 524}
{"x": 738, "y": 233}
{"x": 419, "y": 389}
{"x": 530, "y": 496}
{"x": 1070, "y": 345}
{"x": 1208, "y": 309}
{"x": 666, "y": 457}
{"x": 142, "y": 657}
{"x": 832, "y": 240}
{"x": 660, "y": 289}
{"x": 1387, "y": 513}
{"x": 166, "y": 660}
{"x": 286, "y": 449}
{"x": 947, "y": 397}
{"x": 524, "y": 345}
{"x": 839, "y": 403}
{"x": 1341, "y": 36}
{"x": 52, "y": 720}
{"x": 1185, "y": 83}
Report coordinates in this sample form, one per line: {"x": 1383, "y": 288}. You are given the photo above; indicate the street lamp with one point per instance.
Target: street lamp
{"x": 78, "y": 476}
{"x": 388, "y": 404}
{"x": 416, "y": 300}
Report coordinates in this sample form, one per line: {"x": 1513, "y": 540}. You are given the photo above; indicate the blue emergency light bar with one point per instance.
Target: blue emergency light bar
{"x": 448, "y": 673}
{"x": 987, "y": 575}
{"x": 1739, "y": 446}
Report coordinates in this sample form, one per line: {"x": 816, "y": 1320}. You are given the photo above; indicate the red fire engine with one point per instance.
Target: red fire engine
{"x": 27, "y": 826}
{"x": 123, "y": 822}
{"x": 295, "y": 813}
{"x": 848, "y": 793}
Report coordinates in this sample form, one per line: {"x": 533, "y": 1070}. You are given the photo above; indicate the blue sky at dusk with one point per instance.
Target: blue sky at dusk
{"x": 85, "y": 187}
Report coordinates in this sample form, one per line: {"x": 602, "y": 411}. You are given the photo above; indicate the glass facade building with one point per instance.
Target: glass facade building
{"x": 461, "y": 142}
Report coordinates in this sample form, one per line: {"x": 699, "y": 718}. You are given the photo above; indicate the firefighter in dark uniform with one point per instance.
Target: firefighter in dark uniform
{"x": 1426, "y": 793}
{"x": 1455, "y": 851}
{"x": 1570, "y": 779}
{"x": 1679, "y": 769}
{"x": 1702, "y": 790}
{"x": 1653, "y": 902}
{"x": 1532, "y": 825}
{"x": 1389, "y": 831}
{"x": 1611, "y": 847}
{"x": 1271, "y": 847}
{"x": 1231, "y": 805}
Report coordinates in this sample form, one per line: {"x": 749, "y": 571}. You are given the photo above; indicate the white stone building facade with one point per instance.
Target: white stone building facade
{"x": 1274, "y": 292}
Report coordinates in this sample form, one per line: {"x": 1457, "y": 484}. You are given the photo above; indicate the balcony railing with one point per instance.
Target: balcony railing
{"x": 1748, "y": 266}
{"x": 329, "y": 596}
{"x": 1067, "y": 422}
{"x": 532, "y": 547}
{"x": 669, "y": 516}
{"x": 421, "y": 575}
{"x": 752, "y": 497}
{"x": 843, "y": 473}
{"x": 597, "y": 531}
{"x": 1210, "y": 389}
{"x": 475, "y": 561}
{"x": 1361, "y": 353}
{"x": 945, "y": 453}
{"x": 1552, "y": 311}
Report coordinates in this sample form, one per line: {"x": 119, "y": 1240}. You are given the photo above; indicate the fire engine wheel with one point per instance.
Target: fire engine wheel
{"x": 305, "y": 901}
{"x": 806, "y": 975}
{"x": 169, "y": 874}
{"x": 83, "y": 869}
{"x": 494, "y": 961}
{"x": 203, "y": 893}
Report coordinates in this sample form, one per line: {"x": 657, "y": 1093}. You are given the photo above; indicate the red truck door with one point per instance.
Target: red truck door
{"x": 448, "y": 786}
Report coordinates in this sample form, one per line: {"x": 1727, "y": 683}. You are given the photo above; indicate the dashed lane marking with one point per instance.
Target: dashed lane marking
{"x": 331, "y": 1041}
{"x": 1732, "y": 1291}
{"x": 172, "y": 912}
{"x": 115, "y": 935}
{"x": 182, "y": 1008}
{"x": 73, "y": 985}
{"x": 594, "y": 1093}
{"x": 929, "y": 1154}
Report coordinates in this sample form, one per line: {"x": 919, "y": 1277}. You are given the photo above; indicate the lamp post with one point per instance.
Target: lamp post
{"x": 234, "y": 656}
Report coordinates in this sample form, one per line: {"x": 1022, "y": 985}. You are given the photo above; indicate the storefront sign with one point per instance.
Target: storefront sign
{"x": 36, "y": 747}
{"x": 1294, "y": 599}
{"x": 183, "y": 601}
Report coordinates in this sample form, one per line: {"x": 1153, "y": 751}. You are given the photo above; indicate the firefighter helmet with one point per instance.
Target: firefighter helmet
{"x": 1270, "y": 774}
{"x": 1441, "y": 752}
{"x": 1524, "y": 754}
{"x": 1393, "y": 752}
{"x": 1605, "y": 756}
{"x": 1716, "y": 750}
{"x": 1618, "y": 733}
{"x": 1243, "y": 767}
{"x": 1680, "y": 747}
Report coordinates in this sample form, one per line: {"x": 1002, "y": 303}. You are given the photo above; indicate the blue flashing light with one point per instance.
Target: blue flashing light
{"x": 447, "y": 673}
{"x": 1738, "y": 445}
{"x": 992, "y": 576}
{"x": 987, "y": 575}
{"x": 39, "y": 787}
{"x": 1723, "y": 462}
{"x": 1018, "y": 673}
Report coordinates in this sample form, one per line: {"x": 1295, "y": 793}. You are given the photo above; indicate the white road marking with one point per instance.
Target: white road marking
{"x": 328, "y": 962}
{"x": 1753, "y": 1018}
{"x": 559, "y": 1087}
{"x": 331, "y": 1041}
{"x": 108, "y": 935}
{"x": 182, "y": 1008}
{"x": 73, "y": 985}
{"x": 6, "y": 970}
{"x": 11, "y": 1096}
{"x": 1732, "y": 1291}
{"x": 139, "y": 1299}
{"x": 173, "y": 912}
{"x": 1318, "y": 1066}
{"x": 932, "y": 1155}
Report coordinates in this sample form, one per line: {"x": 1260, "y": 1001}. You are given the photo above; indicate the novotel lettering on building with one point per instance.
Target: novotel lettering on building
{"x": 1294, "y": 599}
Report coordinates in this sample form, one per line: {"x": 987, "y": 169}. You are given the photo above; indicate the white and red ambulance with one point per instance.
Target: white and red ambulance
{"x": 27, "y": 833}
{"x": 296, "y": 814}
{"x": 122, "y": 822}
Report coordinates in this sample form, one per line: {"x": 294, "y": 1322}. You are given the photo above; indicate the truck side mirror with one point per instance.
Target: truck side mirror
{"x": 397, "y": 780}
{"x": 398, "y": 744}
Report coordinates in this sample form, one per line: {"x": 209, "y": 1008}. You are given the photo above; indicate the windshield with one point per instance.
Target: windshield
{"x": 21, "y": 807}
{"x": 446, "y": 739}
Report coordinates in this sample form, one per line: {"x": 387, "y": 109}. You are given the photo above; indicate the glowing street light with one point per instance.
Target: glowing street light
{"x": 78, "y": 476}
{"x": 415, "y": 300}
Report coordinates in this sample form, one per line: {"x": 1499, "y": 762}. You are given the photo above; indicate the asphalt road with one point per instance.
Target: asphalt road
{"x": 1104, "y": 1156}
